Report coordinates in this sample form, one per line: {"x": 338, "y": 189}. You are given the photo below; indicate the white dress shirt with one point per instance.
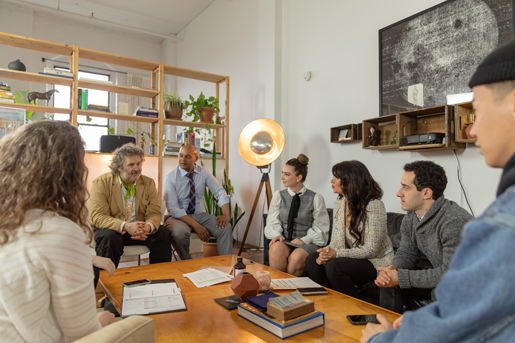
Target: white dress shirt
{"x": 177, "y": 190}
{"x": 318, "y": 234}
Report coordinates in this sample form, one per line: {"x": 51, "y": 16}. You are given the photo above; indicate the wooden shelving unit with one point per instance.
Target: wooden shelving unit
{"x": 385, "y": 127}
{"x": 353, "y": 134}
{"x": 158, "y": 70}
{"x": 463, "y": 113}
{"x": 439, "y": 119}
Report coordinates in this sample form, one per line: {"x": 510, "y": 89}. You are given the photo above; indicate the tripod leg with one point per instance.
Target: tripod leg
{"x": 251, "y": 216}
{"x": 268, "y": 193}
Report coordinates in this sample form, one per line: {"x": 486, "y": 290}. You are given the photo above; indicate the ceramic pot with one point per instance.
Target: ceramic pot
{"x": 209, "y": 249}
{"x": 17, "y": 65}
{"x": 208, "y": 114}
{"x": 245, "y": 285}
{"x": 172, "y": 111}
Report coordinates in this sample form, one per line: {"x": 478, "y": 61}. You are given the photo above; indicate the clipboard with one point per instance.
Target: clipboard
{"x": 139, "y": 305}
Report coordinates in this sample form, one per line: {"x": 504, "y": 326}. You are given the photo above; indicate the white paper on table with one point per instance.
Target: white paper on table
{"x": 208, "y": 277}
{"x": 293, "y": 283}
{"x": 152, "y": 298}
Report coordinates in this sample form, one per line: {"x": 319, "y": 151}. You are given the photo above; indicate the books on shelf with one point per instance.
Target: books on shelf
{"x": 7, "y": 100}
{"x": 99, "y": 108}
{"x": 57, "y": 72}
{"x": 282, "y": 329}
{"x": 5, "y": 87}
{"x": 171, "y": 149}
{"x": 206, "y": 155}
{"x": 146, "y": 112}
{"x": 7, "y": 95}
{"x": 93, "y": 80}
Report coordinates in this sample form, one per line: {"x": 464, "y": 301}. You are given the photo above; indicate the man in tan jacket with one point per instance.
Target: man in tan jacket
{"x": 125, "y": 209}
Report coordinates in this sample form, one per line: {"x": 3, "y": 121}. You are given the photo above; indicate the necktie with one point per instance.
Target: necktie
{"x": 130, "y": 189}
{"x": 191, "y": 204}
{"x": 294, "y": 210}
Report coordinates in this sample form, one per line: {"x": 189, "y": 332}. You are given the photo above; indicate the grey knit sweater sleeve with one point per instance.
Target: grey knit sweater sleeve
{"x": 408, "y": 255}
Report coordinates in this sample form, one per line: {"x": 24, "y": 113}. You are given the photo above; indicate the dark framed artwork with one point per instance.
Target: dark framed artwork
{"x": 434, "y": 53}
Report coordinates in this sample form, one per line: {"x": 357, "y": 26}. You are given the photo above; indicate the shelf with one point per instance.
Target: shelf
{"x": 385, "y": 128}
{"x": 108, "y": 154}
{"x": 193, "y": 74}
{"x": 354, "y": 132}
{"x": 464, "y": 116}
{"x": 116, "y": 116}
{"x": 382, "y": 147}
{"x": 32, "y": 77}
{"x": 148, "y": 93}
{"x": 176, "y": 122}
{"x": 421, "y": 146}
{"x": 105, "y": 57}
{"x": 200, "y": 158}
{"x": 37, "y": 108}
{"x": 35, "y": 44}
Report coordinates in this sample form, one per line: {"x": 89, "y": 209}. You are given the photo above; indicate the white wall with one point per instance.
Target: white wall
{"x": 266, "y": 47}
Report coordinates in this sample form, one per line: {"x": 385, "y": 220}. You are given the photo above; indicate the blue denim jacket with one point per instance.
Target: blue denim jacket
{"x": 476, "y": 297}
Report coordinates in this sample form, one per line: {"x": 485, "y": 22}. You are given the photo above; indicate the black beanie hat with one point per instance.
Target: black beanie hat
{"x": 498, "y": 66}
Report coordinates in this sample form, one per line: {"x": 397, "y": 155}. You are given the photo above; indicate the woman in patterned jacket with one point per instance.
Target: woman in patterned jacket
{"x": 359, "y": 241}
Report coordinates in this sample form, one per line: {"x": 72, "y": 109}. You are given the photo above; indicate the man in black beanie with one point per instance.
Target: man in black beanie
{"x": 476, "y": 297}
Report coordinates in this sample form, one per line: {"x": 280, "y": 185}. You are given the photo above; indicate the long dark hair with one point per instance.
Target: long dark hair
{"x": 359, "y": 188}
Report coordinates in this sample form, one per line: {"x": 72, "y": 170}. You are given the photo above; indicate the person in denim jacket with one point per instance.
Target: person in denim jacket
{"x": 476, "y": 297}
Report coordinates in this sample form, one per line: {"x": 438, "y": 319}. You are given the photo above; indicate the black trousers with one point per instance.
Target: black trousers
{"x": 394, "y": 298}
{"x": 342, "y": 274}
{"x": 110, "y": 244}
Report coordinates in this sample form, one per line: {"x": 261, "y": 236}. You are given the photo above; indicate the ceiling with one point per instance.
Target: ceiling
{"x": 164, "y": 17}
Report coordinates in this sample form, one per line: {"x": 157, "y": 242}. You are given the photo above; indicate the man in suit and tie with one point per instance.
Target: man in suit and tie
{"x": 184, "y": 192}
{"x": 125, "y": 209}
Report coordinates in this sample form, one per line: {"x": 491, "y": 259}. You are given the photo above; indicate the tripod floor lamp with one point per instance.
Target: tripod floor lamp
{"x": 261, "y": 142}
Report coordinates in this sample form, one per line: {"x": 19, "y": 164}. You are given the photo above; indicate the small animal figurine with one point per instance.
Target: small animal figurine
{"x": 32, "y": 96}
{"x": 372, "y": 136}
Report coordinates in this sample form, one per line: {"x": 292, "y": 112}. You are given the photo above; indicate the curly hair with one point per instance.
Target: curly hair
{"x": 300, "y": 165}
{"x": 129, "y": 149}
{"x": 428, "y": 175}
{"x": 359, "y": 188}
{"x": 42, "y": 167}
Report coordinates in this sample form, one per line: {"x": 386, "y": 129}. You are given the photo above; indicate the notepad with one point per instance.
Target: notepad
{"x": 293, "y": 283}
{"x": 159, "y": 296}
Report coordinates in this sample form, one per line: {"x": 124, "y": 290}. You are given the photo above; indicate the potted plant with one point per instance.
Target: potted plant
{"x": 209, "y": 248}
{"x": 173, "y": 105}
{"x": 202, "y": 108}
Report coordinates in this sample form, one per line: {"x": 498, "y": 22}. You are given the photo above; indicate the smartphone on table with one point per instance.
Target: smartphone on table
{"x": 363, "y": 319}
{"x": 136, "y": 283}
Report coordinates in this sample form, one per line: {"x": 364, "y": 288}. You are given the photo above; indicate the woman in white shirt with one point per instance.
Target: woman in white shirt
{"x": 46, "y": 283}
{"x": 297, "y": 223}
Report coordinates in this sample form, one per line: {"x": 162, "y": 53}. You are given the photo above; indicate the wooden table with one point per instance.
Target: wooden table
{"x": 206, "y": 321}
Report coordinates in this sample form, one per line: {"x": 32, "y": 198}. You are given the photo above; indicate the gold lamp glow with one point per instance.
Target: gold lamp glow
{"x": 261, "y": 142}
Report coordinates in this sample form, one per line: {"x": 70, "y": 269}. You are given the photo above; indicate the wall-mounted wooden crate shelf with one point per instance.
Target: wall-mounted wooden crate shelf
{"x": 439, "y": 119}
{"x": 353, "y": 133}
{"x": 385, "y": 127}
{"x": 464, "y": 116}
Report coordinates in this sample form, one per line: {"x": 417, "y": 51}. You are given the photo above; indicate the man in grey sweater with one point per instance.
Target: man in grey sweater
{"x": 431, "y": 227}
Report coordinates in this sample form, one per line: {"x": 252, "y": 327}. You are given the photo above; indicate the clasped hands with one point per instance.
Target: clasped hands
{"x": 387, "y": 277}
{"x": 324, "y": 255}
{"x": 137, "y": 230}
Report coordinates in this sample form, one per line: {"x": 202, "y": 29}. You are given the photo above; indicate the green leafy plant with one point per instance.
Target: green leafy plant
{"x": 198, "y": 103}
{"x": 21, "y": 98}
{"x": 174, "y": 99}
{"x": 212, "y": 203}
{"x": 394, "y": 140}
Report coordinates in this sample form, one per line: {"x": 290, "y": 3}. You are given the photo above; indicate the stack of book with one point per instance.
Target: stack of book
{"x": 56, "y": 72}
{"x": 285, "y": 316}
{"x": 146, "y": 112}
{"x": 189, "y": 138}
{"x": 99, "y": 108}
{"x": 172, "y": 149}
{"x": 83, "y": 99}
{"x": 209, "y": 155}
{"x": 6, "y": 95}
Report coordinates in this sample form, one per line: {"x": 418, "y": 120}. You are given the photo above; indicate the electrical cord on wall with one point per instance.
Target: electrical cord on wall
{"x": 461, "y": 184}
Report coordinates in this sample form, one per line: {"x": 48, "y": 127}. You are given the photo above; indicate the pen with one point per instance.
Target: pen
{"x": 232, "y": 301}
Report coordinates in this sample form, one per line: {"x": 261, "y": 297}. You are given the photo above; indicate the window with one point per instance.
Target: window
{"x": 92, "y": 130}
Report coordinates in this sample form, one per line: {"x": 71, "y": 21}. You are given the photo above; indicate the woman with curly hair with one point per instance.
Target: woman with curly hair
{"x": 297, "y": 223}
{"x": 46, "y": 292}
{"x": 359, "y": 241}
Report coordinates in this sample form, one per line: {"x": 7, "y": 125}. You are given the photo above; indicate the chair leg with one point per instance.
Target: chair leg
{"x": 173, "y": 254}
{"x": 139, "y": 260}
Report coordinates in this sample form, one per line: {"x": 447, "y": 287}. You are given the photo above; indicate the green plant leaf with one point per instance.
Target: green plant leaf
{"x": 88, "y": 119}
{"x": 111, "y": 130}
{"x": 130, "y": 132}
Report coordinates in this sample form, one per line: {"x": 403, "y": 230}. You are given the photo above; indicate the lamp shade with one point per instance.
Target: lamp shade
{"x": 261, "y": 142}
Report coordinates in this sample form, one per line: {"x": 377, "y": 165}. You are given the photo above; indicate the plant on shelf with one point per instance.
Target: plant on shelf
{"x": 173, "y": 105}
{"x": 212, "y": 203}
{"x": 202, "y": 110}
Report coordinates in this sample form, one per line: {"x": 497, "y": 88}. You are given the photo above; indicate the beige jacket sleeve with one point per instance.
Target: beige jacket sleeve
{"x": 99, "y": 206}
